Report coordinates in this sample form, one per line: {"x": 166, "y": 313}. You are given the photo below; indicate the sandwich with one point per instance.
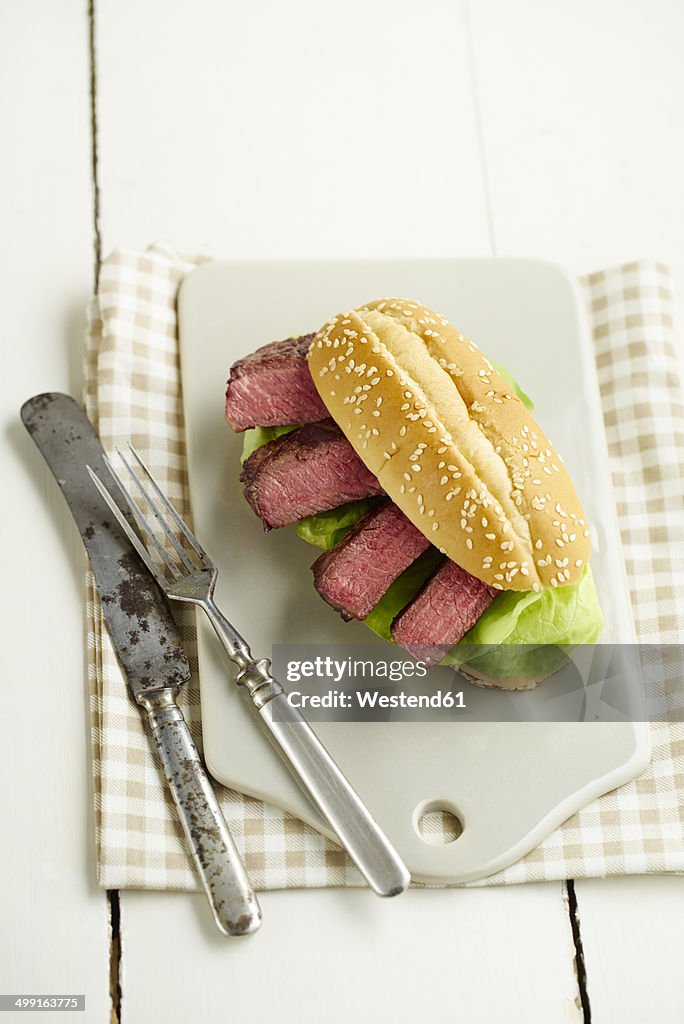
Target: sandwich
{"x": 447, "y": 520}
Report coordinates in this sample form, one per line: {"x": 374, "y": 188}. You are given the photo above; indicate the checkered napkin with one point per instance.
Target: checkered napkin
{"x": 133, "y": 391}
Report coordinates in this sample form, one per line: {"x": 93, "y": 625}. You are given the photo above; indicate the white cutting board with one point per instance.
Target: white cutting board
{"x": 509, "y": 783}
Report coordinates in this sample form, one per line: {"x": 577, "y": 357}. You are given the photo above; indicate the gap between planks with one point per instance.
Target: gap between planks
{"x": 113, "y": 901}
{"x": 572, "y": 908}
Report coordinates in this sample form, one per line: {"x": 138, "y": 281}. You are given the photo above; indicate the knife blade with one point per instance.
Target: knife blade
{"x": 148, "y": 646}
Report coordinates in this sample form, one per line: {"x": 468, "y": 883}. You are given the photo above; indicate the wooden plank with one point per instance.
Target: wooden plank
{"x": 290, "y": 130}
{"x": 338, "y": 956}
{"x": 583, "y": 135}
{"x": 632, "y": 934}
{"x": 54, "y": 919}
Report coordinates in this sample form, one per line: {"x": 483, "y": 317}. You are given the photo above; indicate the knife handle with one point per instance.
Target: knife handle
{"x": 216, "y": 858}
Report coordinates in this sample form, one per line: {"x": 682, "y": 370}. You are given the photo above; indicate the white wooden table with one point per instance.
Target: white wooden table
{"x": 536, "y": 128}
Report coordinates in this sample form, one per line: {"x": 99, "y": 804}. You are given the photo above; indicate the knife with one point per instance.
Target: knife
{"x": 148, "y": 646}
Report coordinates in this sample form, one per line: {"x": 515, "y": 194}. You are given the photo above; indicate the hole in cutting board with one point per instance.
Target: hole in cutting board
{"x": 437, "y": 823}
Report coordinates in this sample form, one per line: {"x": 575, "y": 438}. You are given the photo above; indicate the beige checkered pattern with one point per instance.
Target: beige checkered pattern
{"x": 133, "y": 390}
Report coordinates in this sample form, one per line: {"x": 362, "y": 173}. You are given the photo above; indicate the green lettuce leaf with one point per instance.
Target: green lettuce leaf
{"x": 404, "y": 588}
{"x": 326, "y": 529}
{"x": 531, "y": 633}
{"x": 515, "y": 387}
{"x": 561, "y": 615}
{"x": 255, "y": 437}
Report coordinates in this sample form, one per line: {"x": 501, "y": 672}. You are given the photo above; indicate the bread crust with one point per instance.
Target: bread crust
{"x": 454, "y": 449}
{"x": 488, "y": 682}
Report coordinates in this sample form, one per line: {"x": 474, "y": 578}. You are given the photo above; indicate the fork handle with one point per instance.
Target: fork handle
{"x": 322, "y": 780}
{"x": 333, "y": 794}
{"x": 216, "y": 858}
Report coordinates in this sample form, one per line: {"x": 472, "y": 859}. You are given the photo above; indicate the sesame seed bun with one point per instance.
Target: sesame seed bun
{"x": 461, "y": 457}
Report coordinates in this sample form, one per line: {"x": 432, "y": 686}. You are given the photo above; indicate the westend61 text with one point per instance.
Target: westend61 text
{"x": 376, "y": 699}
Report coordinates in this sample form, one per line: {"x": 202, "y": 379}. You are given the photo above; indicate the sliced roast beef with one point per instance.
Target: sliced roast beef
{"x": 354, "y": 575}
{"x": 441, "y": 614}
{"x": 273, "y": 387}
{"x": 306, "y": 471}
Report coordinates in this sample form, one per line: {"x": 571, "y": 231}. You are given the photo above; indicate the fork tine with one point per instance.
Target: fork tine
{"x": 180, "y": 523}
{"x": 164, "y": 552}
{"x": 125, "y": 525}
{"x": 141, "y": 520}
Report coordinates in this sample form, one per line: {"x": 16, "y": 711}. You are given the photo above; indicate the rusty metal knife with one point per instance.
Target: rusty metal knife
{"x": 148, "y": 646}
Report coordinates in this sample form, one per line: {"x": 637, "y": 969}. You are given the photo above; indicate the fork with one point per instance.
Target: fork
{"x": 186, "y": 573}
